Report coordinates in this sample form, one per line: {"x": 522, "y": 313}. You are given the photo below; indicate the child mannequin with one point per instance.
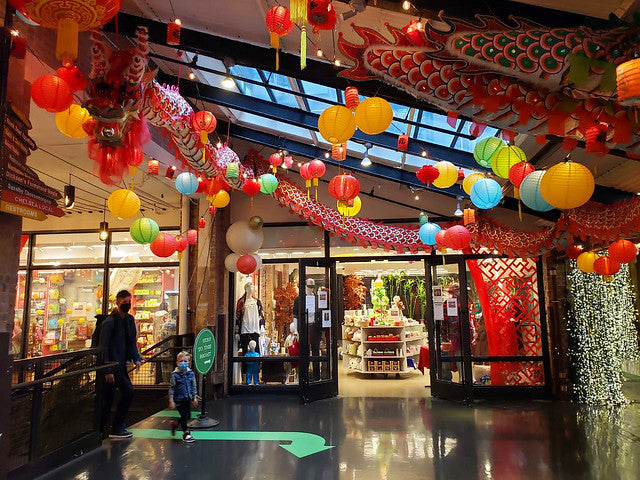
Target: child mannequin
{"x": 182, "y": 394}
{"x": 253, "y": 368}
{"x": 292, "y": 343}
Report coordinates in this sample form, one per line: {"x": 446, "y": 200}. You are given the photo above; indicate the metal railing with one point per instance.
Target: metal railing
{"x": 159, "y": 360}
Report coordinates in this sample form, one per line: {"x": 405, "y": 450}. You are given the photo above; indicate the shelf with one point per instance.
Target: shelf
{"x": 384, "y": 326}
{"x": 354, "y": 341}
{"x": 379, "y": 341}
{"x": 414, "y": 339}
{"x": 377, "y": 357}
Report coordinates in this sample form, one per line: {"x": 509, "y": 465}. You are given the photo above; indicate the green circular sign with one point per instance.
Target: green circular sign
{"x": 204, "y": 351}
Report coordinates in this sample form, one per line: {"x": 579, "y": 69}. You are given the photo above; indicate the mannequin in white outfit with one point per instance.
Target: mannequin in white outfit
{"x": 249, "y": 320}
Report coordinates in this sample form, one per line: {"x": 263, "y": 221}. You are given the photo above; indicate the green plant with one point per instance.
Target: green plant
{"x": 409, "y": 298}
{"x": 421, "y": 291}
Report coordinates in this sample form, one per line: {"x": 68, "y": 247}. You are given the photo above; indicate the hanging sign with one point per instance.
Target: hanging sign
{"x": 452, "y": 307}
{"x": 26, "y": 212}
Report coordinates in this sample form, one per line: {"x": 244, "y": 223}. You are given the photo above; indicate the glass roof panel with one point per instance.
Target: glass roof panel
{"x": 434, "y": 136}
{"x": 250, "y": 89}
{"x": 262, "y": 123}
{"x": 320, "y": 91}
{"x": 467, "y": 145}
{"x": 282, "y": 98}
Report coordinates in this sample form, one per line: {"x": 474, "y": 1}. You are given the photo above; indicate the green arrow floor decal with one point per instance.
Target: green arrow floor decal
{"x": 302, "y": 444}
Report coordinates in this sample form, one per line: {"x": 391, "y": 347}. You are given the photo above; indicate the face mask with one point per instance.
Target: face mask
{"x": 183, "y": 365}
{"x": 125, "y": 307}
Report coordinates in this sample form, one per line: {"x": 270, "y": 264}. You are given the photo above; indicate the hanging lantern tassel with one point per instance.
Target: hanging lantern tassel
{"x": 315, "y": 184}
{"x": 303, "y": 48}
{"x": 67, "y": 40}
{"x": 204, "y": 139}
{"x": 516, "y": 193}
{"x": 132, "y": 171}
{"x": 307, "y": 184}
{"x": 275, "y": 43}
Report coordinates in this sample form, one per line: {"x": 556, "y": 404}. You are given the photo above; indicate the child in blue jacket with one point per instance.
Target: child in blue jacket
{"x": 183, "y": 389}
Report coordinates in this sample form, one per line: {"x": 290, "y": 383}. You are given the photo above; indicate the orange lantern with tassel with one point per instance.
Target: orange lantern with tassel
{"x": 628, "y": 82}
{"x": 339, "y": 151}
{"x": 596, "y": 139}
{"x": 51, "y": 93}
{"x": 469, "y": 216}
{"x": 279, "y": 24}
{"x": 351, "y": 98}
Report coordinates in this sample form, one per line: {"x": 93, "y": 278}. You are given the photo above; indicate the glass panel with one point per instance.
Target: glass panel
{"x": 68, "y": 249}
{"x": 320, "y": 91}
{"x": 433, "y": 136}
{"x": 263, "y": 123}
{"x": 467, "y": 145}
{"x": 24, "y": 250}
{"x": 125, "y": 250}
{"x": 282, "y": 98}
{"x": 528, "y": 374}
{"x": 446, "y": 316}
{"x": 250, "y": 89}
{"x": 62, "y": 310}
{"x": 317, "y": 309}
{"x": 292, "y": 242}
{"x": 15, "y": 348}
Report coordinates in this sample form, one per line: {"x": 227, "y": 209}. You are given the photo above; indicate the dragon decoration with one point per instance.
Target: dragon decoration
{"x": 123, "y": 96}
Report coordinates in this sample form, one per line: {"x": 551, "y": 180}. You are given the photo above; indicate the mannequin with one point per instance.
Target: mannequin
{"x": 253, "y": 368}
{"x": 292, "y": 344}
{"x": 249, "y": 320}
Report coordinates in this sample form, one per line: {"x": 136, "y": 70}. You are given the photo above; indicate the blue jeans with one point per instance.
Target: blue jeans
{"x": 253, "y": 372}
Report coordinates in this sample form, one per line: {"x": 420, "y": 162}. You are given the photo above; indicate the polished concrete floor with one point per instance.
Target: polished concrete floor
{"x": 407, "y": 385}
{"x": 378, "y": 438}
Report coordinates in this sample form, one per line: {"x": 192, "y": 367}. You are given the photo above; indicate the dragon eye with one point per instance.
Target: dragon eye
{"x": 107, "y": 132}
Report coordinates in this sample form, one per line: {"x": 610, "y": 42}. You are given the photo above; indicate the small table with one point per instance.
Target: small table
{"x": 424, "y": 361}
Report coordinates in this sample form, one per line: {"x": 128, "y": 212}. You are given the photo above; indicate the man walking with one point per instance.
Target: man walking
{"x": 118, "y": 341}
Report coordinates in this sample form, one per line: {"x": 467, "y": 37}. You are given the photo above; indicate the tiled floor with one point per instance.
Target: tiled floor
{"x": 379, "y": 438}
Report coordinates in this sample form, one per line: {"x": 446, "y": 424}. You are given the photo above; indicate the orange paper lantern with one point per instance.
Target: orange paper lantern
{"x": 351, "y": 98}
{"x": 628, "y": 82}
{"x": 469, "y": 216}
{"x": 623, "y": 251}
{"x": 339, "y": 151}
{"x": 51, "y": 93}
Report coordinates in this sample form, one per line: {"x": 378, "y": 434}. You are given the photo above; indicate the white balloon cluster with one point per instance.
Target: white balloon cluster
{"x": 244, "y": 238}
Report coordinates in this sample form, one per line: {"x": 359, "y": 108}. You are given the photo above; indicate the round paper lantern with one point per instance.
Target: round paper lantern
{"x": 322, "y": 15}
{"x": 246, "y": 264}
{"x": 349, "y": 209}
{"x": 231, "y": 262}
{"x": 251, "y": 187}
{"x": 344, "y": 187}
{"x": 268, "y": 183}
{"x": 187, "y": 183}
{"x": 486, "y": 193}
{"x": 573, "y": 251}
{"x": 278, "y": 24}
{"x": 374, "y": 115}
{"x": 317, "y": 168}
{"x": 468, "y": 181}
{"x": 243, "y": 239}
{"x": 623, "y": 251}
{"x": 258, "y": 260}
{"x": 505, "y": 158}
{"x": 144, "y": 230}
{"x": 351, "y": 98}
{"x": 427, "y": 174}
{"x": 457, "y": 237}
{"x": 337, "y": 124}
{"x": 164, "y": 245}
{"x": 485, "y": 149}
{"x": 204, "y": 122}
{"x": 605, "y": 266}
{"x": 427, "y": 233}
{"x": 220, "y": 199}
{"x": 181, "y": 243}
{"x": 448, "y": 174}
{"x": 275, "y": 159}
{"x": 192, "y": 236}
{"x": 530, "y": 192}
{"x": 441, "y": 240}
{"x": 232, "y": 170}
{"x": 304, "y": 173}
{"x": 70, "y": 121}
{"x": 628, "y": 82}
{"x": 123, "y": 203}
{"x": 519, "y": 171}
{"x": 585, "y": 261}
{"x": 567, "y": 185}
{"x": 51, "y": 93}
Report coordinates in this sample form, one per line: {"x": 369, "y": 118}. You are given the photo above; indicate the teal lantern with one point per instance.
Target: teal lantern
{"x": 233, "y": 170}
{"x": 268, "y": 183}
{"x": 485, "y": 149}
{"x": 427, "y": 233}
{"x": 530, "y": 192}
{"x": 144, "y": 230}
{"x": 486, "y": 193}
{"x": 187, "y": 183}
{"x": 423, "y": 218}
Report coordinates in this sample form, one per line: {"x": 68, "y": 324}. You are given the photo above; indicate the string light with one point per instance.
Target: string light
{"x": 177, "y": 21}
{"x": 424, "y": 153}
{"x": 327, "y": 154}
{"x": 319, "y": 52}
{"x": 406, "y": 5}
{"x": 192, "y": 76}
{"x": 336, "y": 62}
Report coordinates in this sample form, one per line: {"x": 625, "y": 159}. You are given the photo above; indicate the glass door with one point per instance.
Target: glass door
{"x": 315, "y": 308}
{"x": 448, "y": 326}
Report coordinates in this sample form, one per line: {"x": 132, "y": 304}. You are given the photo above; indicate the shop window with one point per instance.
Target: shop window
{"x": 24, "y": 250}
{"x": 63, "y": 249}
{"x": 292, "y": 242}
{"x": 15, "y": 348}
{"x": 342, "y": 248}
{"x": 125, "y": 250}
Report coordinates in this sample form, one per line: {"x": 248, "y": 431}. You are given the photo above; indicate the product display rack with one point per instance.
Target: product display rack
{"x": 148, "y": 295}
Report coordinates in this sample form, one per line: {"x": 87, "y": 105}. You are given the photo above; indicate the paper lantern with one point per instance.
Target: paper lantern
{"x": 187, "y": 183}
{"x": 457, "y": 237}
{"x": 288, "y": 161}
{"x": 339, "y": 151}
{"x": 192, "y": 236}
{"x": 530, "y": 192}
{"x": 275, "y": 159}
{"x": 374, "y": 115}
{"x": 351, "y": 98}
{"x": 153, "y": 167}
{"x": 247, "y": 264}
{"x": 144, "y": 230}
{"x": 519, "y": 171}
{"x": 486, "y": 193}
{"x": 204, "y": 122}
{"x": 595, "y": 139}
{"x": 73, "y": 76}
{"x": 427, "y": 233}
{"x": 51, "y": 93}
{"x": 268, "y": 183}
{"x": 322, "y": 15}
{"x": 623, "y": 251}
{"x": 350, "y": 208}
{"x": 164, "y": 245}
{"x": 220, "y": 199}
{"x": 484, "y": 150}
{"x": 202, "y": 222}
{"x": 460, "y": 174}
{"x": 585, "y": 261}
{"x": 251, "y": 187}
{"x": 469, "y": 216}
{"x": 573, "y": 251}
{"x": 427, "y": 174}
{"x": 337, "y": 124}
{"x": 448, "y": 174}
{"x": 468, "y": 182}
{"x": 344, "y": 187}
{"x": 403, "y": 142}
{"x": 605, "y": 266}
{"x": 567, "y": 185}
{"x": 628, "y": 82}
{"x": 243, "y": 239}
{"x": 317, "y": 169}
{"x": 440, "y": 239}
{"x": 231, "y": 262}
{"x": 278, "y": 24}
{"x": 71, "y": 120}
{"x": 171, "y": 171}
{"x": 505, "y": 158}
{"x": 304, "y": 173}
{"x": 173, "y": 32}
{"x": 123, "y": 203}
{"x": 181, "y": 243}
{"x": 232, "y": 170}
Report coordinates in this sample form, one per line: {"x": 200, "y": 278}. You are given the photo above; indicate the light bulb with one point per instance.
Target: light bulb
{"x": 227, "y": 82}
{"x": 406, "y": 5}
{"x": 366, "y": 161}
{"x": 219, "y": 145}
{"x": 192, "y": 76}
{"x": 417, "y": 197}
{"x": 326, "y": 154}
{"x": 319, "y": 52}
{"x": 177, "y": 21}
{"x": 424, "y": 153}
{"x": 336, "y": 62}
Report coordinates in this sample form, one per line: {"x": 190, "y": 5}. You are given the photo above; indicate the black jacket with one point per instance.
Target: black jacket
{"x": 118, "y": 339}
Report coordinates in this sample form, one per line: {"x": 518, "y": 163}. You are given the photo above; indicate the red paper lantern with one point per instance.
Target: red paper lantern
{"x": 153, "y": 167}
{"x": 164, "y": 245}
{"x": 441, "y": 240}
{"x": 460, "y": 174}
{"x": 321, "y": 14}
{"x": 596, "y": 139}
{"x": 403, "y": 142}
{"x": 279, "y": 24}
{"x": 427, "y": 174}
{"x": 288, "y": 162}
{"x": 457, "y": 237}
{"x": 173, "y": 32}
{"x": 246, "y": 264}
{"x": 204, "y": 185}
{"x": 351, "y": 98}
{"x": 275, "y": 159}
{"x": 51, "y": 93}
{"x": 519, "y": 171}
{"x": 192, "y": 236}
{"x": 605, "y": 266}
{"x": 317, "y": 169}
{"x": 204, "y": 122}
{"x": 202, "y": 222}
{"x": 212, "y": 209}
{"x": 251, "y": 187}
{"x": 623, "y": 251}
{"x": 73, "y": 76}
{"x": 573, "y": 251}
{"x": 344, "y": 187}
{"x": 181, "y": 243}
{"x": 171, "y": 171}
{"x": 413, "y": 29}
{"x": 304, "y": 173}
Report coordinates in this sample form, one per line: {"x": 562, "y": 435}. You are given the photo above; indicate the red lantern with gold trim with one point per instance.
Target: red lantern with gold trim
{"x": 351, "y": 98}
{"x": 344, "y": 187}
{"x": 51, "y": 93}
{"x": 596, "y": 139}
{"x": 204, "y": 122}
{"x": 623, "y": 251}
{"x": 275, "y": 159}
{"x": 279, "y": 24}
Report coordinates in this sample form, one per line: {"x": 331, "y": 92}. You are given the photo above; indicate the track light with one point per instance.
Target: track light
{"x": 69, "y": 196}
{"x": 356, "y": 6}
{"x": 366, "y": 161}
{"x": 192, "y": 76}
{"x": 227, "y": 82}
{"x": 458, "y": 212}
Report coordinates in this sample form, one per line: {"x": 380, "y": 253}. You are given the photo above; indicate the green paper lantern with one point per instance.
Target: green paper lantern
{"x": 144, "y": 230}
{"x": 485, "y": 149}
{"x": 268, "y": 183}
{"x": 233, "y": 170}
{"x": 505, "y": 158}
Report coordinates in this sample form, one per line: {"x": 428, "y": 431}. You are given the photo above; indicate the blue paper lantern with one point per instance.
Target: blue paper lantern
{"x": 530, "y": 192}
{"x": 427, "y": 233}
{"x": 486, "y": 193}
{"x": 186, "y": 183}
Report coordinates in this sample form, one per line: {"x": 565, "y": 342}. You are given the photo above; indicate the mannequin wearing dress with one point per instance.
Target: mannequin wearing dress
{"x": 249, "y": 320}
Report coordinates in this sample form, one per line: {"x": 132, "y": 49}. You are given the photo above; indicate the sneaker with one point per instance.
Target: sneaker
{"x": 121, "y": 434}
{"x": 187, "y": 438}
{"x": 174, "y": 425}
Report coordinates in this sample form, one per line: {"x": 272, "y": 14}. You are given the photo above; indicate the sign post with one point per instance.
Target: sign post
{"x": 204, "y": 354}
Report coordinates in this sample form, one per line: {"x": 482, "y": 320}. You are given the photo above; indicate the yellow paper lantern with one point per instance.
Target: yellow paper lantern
{"x": 469, "y": 180}
{"x": 67, "y": 311}
{"x": 70, "y": 121}
{"x": 123, "y": 203}
{"x": 220, "y": 199}
{"x": 374, "y": 115}
{"x": 350, "y": 210}
{"x": 585, "y": 261}
{"x": 448, "y": 174}
{"x": 505, "y": 158}
{"x": 39, "y": 312}
{"x": 567, "y": 185}
{"x": 60, "y": 322}
{"x": 337, "y": 124}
